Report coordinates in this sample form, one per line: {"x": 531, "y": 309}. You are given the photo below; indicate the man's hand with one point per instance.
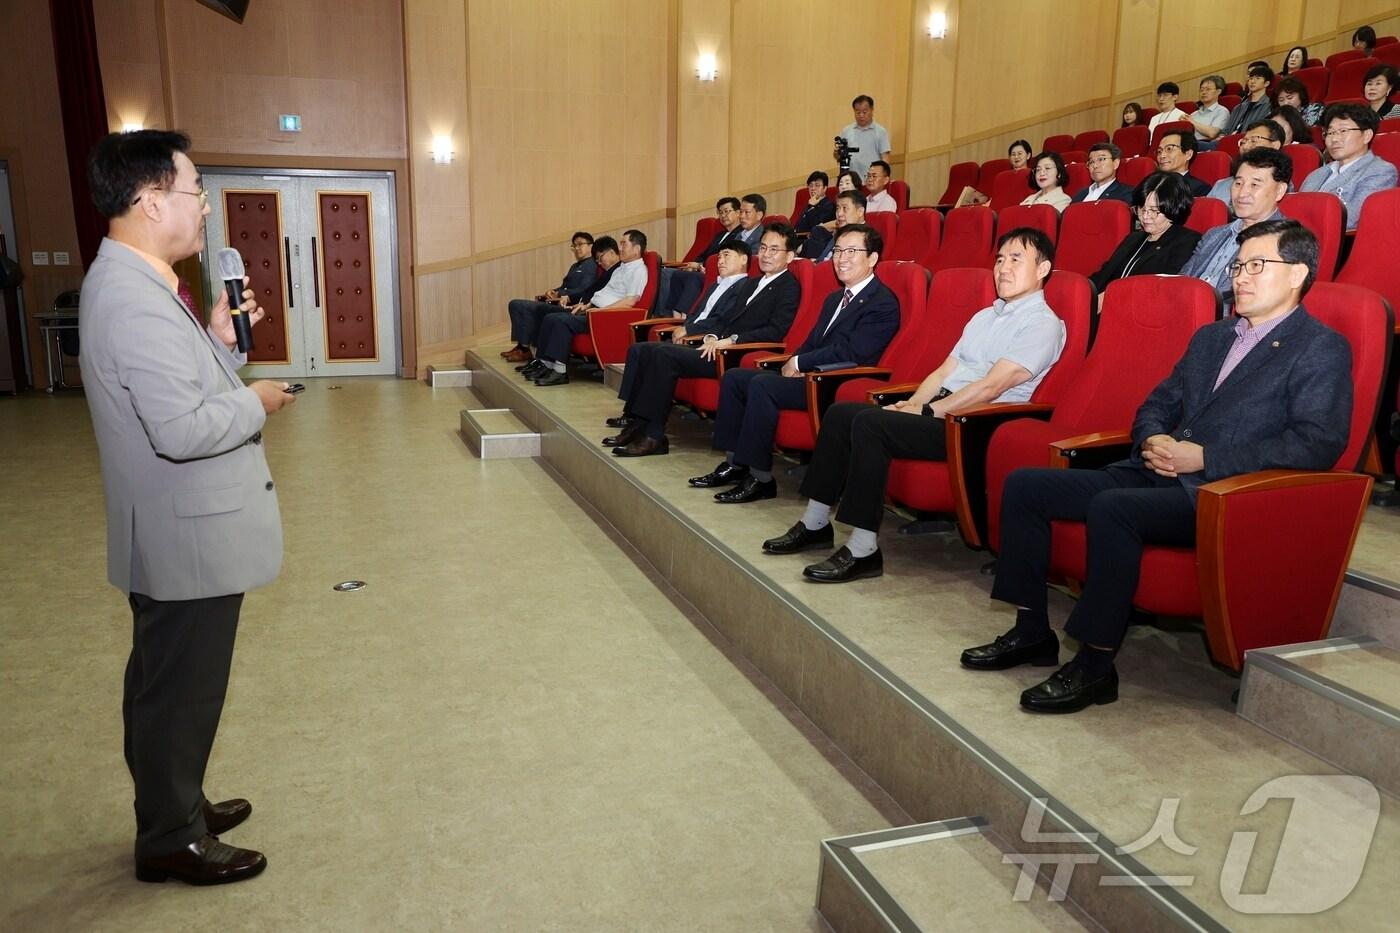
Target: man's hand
{"x": 551, "y": 294}
{"x": 829, "y": 225}
{"x": 711, "y": 347}
{"x": 564, "y": 301}
{"x": 907, "y": 405}
{"x": 221, "y": 321}
{"x": 1171, "y": 458}
{"x": 273, "y": 395}
{"x": 583, "y": 308}
{"x": 790, "y": 367}
{"x": 693, "y": 267}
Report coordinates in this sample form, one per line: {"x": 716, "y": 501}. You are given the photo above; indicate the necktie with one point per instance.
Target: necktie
{"x": 187, "y": 299}
{"x": 845, "y": 300}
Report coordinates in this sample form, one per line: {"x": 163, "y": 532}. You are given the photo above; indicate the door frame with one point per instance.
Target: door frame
{"x": 403, "y": 331}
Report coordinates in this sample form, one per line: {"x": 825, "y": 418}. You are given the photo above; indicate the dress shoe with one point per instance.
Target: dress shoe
{"x": 799, "y": 538}
{"x": 750, "y": 490}
{"x": 223, "y": 816}
{"x": 204, "y": 861}
{"x": 621, "y": 421}
{"x": 627, "y": 435}
{"x": 518, "y": 355}
{"x": 553, "y": 378}
{"x": 531, "y": 369}
{"x": 726, "y": 474}
{"x": 1070, "y": 689}
{"x": 644, "y": 446}
{"x": 1012, "y": 649}
{"x": 841, "y": 567}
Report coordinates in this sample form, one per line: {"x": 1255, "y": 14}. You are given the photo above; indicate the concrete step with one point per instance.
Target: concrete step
{"x": 497, "y": 433}
{"x": 440, "y": 377}
{"x": 948, "y": 875}
{"x": 1339, "y": 699}
{"x": 612, "y": 376}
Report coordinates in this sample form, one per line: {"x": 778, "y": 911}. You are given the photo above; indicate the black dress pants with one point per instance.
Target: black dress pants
{"x": 749, "y": 403}
{"x": 659, "y": 366}
{"x": 176, "y": 679}
{"x": 855, "y": 445}
{"x": 526, "y": 315}
{"x": 557, "y": 335}
{"x": 1124, "y": 508}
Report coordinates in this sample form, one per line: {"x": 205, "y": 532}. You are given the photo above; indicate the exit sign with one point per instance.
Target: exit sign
{"x": 289, "y": 122}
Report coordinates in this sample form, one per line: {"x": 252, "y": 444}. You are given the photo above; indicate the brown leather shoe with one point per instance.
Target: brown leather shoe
{"x": 644, "y": 447}
{"x": 517, "y": 355}
{"x": 223, "y": 816}
{"x": 626, "y": 436}
{"x": 204, "y": 861}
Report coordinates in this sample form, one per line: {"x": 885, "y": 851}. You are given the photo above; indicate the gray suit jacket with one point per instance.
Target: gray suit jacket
{"x": 191, "y": 511}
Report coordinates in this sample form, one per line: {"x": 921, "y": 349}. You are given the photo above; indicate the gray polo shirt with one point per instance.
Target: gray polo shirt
{"x": 1214, "y": 115}
{"x": 1024, "y": 331}
{"x": 873, "y": 141}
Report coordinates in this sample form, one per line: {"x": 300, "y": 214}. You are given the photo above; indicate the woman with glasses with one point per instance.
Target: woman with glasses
{"x": 1047, "y": 181}
{"x": 1296, "y": 58}
{"x": 1162, "y": 203}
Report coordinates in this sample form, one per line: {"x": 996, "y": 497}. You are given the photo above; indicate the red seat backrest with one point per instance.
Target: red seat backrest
{"x": 1143, "y": 329}
{"x": 885, "y": 223}
{"x": 967, "y": 239}
{"x": 1207, "y": 213}
{"x": 899, "y": 190}
{"x": 1087, "y": 138}
{"x": 919, "y": 230}
{"x": 1348, "y": 79}
{"x": 1315, "y": 80}
{"x": 1372, "y": 261}
{"x": 1210, "y": 167}
{"x": 909, "y": 281}
{"x": 799, "y": 204}
{"x": 1390, "y": 124}
{"x": 1387, "y": 146}
{"x": 1231, "y": 101}
{"x": 989, "y": 171}
{"x": 1132, "y": 140}
{"x": 1042, "y": 217}
{"x": 1071, "y": 297}
{"x": 1089, "y": 233}
{"x": 1057, "y": 143}
{"x": 705, "y": 230}
{"x": 1306, "y": 160}
{"x": 1366, "y": 320}
{"x": 1147, "y": 114}
{"x": 960, "y": 176}
{"x": 1134, "y": 170}
{"x": 954, "y": 296}
{"x": 1234, "y": 88}
{"x": 653, "y": 263}
{"x": 1075, "y": 155}
{"x": 1333, "y": 61}
{"x": 1230, "y": 145}
{"x": 1323, "y": 214}
{"x": 1186, "y": 106}
{"x": 1010, "y": 187}
{"x": 817, "y": 281}
{"x": 1175, "y": 126}
{"x": 1389, "y": 53}
{"x": 1078, "y": 178}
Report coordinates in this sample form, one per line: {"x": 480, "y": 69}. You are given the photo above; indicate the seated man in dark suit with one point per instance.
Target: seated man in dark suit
{"x": 1103, "y": 176}
{"x": 1003, "y": 354}
{"x": 1270, "y": 389}
{"x": 850, "y": 209}
{"x": 820, "y": 209}
{"x": 747, "y": 310}
{"x": 685, "y": 284}
{"x": 526, "y": 315}
{"x": 1174, "y": 154}
{"x": 855, "y": 326}
{"x": 608, "y": 257}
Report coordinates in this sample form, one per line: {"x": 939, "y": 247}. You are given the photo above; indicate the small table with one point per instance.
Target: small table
{"x": 52, "y": 324}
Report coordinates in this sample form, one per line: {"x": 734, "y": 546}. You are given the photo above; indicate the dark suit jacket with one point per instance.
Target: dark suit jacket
{"x": 1198, "y": 188}
{"x": 1287, "y": 405}
{"x": 603, "y": 276}
{"x": 814, "y": 214}
{"x": 750, "y": 237}
{"x": 1117, "y": 191}
{"x": 1165, "y": 257}
{"x": 766, "y": 318}
{"x": 859, "y": 335}
{"x": 817, "y": 242}
{"x": 579, "y": 278}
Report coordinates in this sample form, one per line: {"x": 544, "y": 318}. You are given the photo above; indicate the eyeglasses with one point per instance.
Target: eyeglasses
{"x": 847, "y": 251}
{"x": 201, "y": 194}
{"x": 1101, "y": 160}
{"x": 1169, "y": 147}
{"x": 1337, "y": 133}
{"x": 1253, "y": 266}
{"x": 1147, "y": 212}
{"x": 765, "y": 248}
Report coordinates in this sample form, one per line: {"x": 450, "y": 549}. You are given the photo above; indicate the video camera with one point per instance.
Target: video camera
{"x": 843, "y": 153}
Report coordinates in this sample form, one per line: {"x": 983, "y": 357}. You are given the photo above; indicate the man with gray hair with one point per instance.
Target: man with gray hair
{"x": 1210, "y": 115}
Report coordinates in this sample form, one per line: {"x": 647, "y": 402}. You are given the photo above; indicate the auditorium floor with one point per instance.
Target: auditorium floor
{"x": 513, "y": 727}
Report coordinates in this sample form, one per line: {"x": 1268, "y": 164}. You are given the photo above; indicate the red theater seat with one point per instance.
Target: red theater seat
{"x": 1078, "y": 178}
{"x": 1390, "y": 54}
{"x": 1323, "y": 214}
{"x": 1132, "y": 140}
{"x": 899, "y": 190}
{"x": 1207, "y": 213}
{"x": 1132, "y": 171}
{"x": 1336, "y": 59}
{"x": 705, "y": 230}
{"x": 1042, "y": 217}
{"x": 1271, "y": 547}
{"x": 886, "y": 223}
{"x": 1010, "y": 187}
{"x": 1387, "y": 146}
{"x": 1306, "y": 160}
{"x": 960, "y": 175}
{"x": 1374, "y": 261}
{"x": 1349, "y": 79}
{"x": 968, "y": 235}
{"x": 610, "y": 329}
{"x": 1087, "y": 138}
{"x": 1061, "y": 142}
{"x": 1163, "y": 129}
{"x": 1230, "y": 145}
{"x": 1089, "y": 233}
{"x": 919, "y": 229}
{"x": 1315, "y": 80}
{"x": 987, "y": 174}
{"x": 1210, "y": 167}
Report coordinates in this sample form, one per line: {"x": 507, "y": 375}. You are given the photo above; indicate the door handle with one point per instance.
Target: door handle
{"x": 315, "y": 275}
{"x": 287, "y": 248}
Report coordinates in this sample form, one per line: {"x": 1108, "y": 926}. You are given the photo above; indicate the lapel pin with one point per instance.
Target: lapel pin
{"x": 1275, "y": 344}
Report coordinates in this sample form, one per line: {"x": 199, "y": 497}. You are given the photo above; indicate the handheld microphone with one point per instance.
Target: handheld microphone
{"x": 231, "y": 271}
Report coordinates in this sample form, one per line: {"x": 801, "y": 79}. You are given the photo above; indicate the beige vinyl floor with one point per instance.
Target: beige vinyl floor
{"x": 511, "y": 728}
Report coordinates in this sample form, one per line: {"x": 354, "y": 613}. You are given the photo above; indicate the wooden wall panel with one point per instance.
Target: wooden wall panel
{"x": 444, "y": 307}
{"x": 129, "y": 50}
{"x": 932, "y": 64}
{"x": 1319, "y": 17}
{"x": 702, "y": 112}
{"x": 1194, "y": 36}
{"x": 1137, "y": 45}
{"x": 1357, "y": 11}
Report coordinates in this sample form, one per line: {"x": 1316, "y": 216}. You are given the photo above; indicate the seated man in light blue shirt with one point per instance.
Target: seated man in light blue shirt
{"x": 1260, "y": 181}
{"x": 1002, "y": 356}
{"x": 864, "y": 134}
{"x": 1354, "y": 173}
{"x": 1265, "y": 133}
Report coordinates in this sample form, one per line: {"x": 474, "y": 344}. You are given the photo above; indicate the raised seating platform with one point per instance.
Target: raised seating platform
{"x": 874, "y": 665}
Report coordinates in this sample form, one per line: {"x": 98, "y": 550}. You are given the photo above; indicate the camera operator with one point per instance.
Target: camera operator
{"x": 866, "y": 140}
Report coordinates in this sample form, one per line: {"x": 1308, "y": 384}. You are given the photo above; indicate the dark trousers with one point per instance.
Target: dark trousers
{"x": 851, "y": 464}
{"x": 176, "y": 679}
{"x": 1125, "y": 508}
{"x": 685, "y": 288}
{"x": 749, "y": 402}
{"x": 557, "y": 335}
{"x": 526, "y": 315}
{"x": 649, "y": 381}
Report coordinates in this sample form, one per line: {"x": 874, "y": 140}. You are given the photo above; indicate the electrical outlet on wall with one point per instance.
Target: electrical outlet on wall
{"x": 38, "y": 258}
{"x": 60, "y": 259}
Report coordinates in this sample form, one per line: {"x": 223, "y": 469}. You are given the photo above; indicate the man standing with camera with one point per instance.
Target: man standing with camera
{"x": 192, "y": 519}
{"x": 865, "y": 141}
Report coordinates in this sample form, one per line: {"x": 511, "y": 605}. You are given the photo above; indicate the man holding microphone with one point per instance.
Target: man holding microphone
{"x": 192, "y": 519}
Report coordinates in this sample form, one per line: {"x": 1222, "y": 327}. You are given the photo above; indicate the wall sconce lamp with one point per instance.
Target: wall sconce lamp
{"x": 132, "y": 127}
{"x": 938, "y": 25}
{"x": 442, "y": 150}
{"x": 706, "y": 69}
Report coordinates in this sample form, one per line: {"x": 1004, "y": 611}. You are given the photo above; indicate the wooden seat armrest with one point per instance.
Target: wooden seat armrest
{"x": 851, "y": 372}
{"x": 1014, "y": 410}
{"x": 888, "y": 395}
{"x": 1090, "y": 451}
{"x": 1264, "y": 480}
{"x": 821, "y": 388}
{"x": 730, "y": 357}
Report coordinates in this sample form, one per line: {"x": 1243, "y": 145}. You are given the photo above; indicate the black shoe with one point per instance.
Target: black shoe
{"x": 220, "y": 817}
{"x": 621, "y": 421}
{"x": 841, "y": 567}
{"x": 799, "y": 538}
{"x": 627, "y": 435}
{"x": 553, "y": 378}
{"x": 1012, "y": 649}
{"x": 750, "y": 490}
{"x": 726, "y": 474}
{"x": 204, "y": 861}
{"x": 644, "y": 446}
{"x": 1069, "y": 690}
{"x": 531, "y": 369}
